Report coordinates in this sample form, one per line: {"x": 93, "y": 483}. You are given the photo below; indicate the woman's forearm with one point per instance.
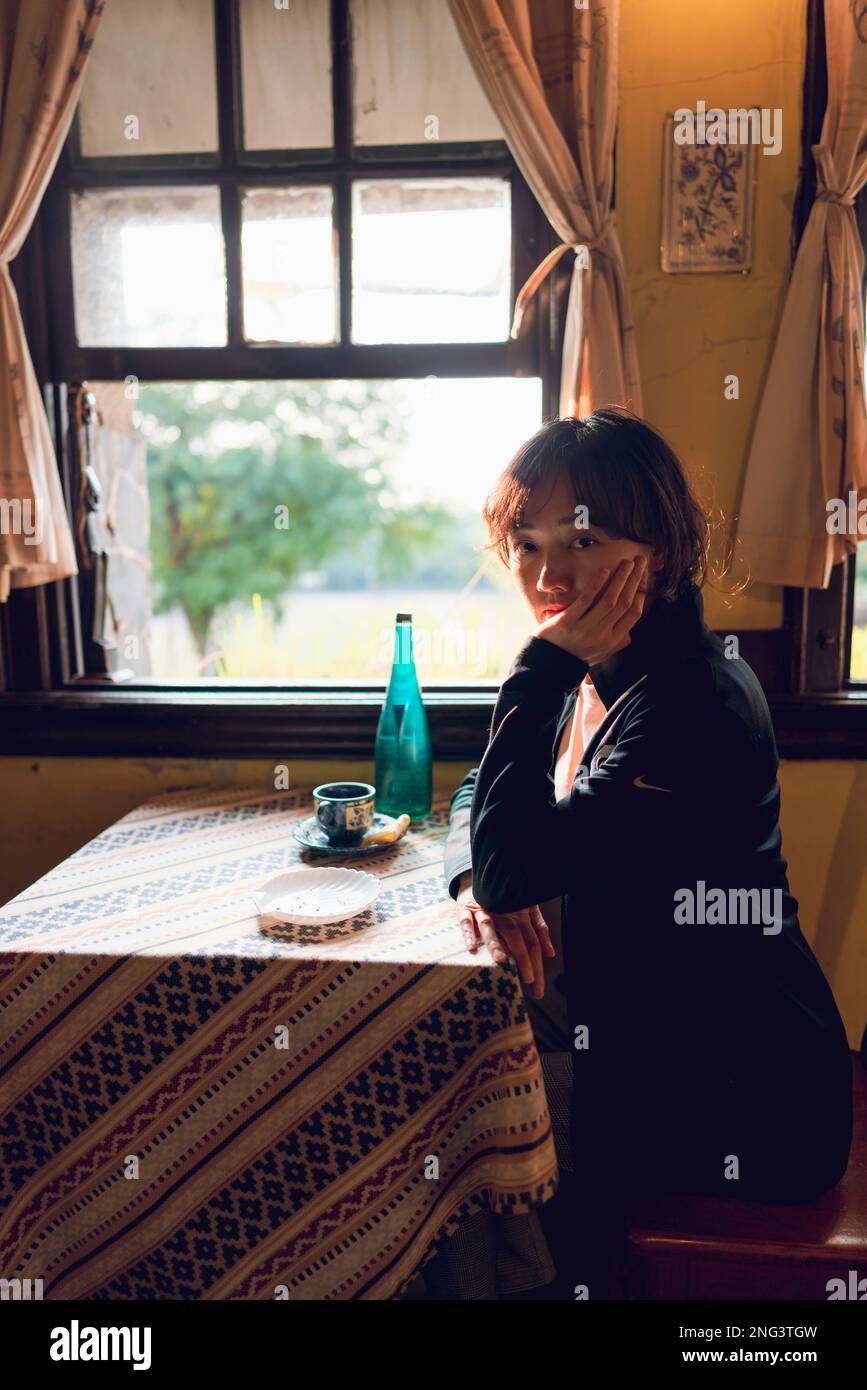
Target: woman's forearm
{"x": 513, "y": 817}
{"x": 457, "y": 856}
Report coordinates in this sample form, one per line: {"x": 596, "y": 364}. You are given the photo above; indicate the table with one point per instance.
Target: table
{"x": 198, "y": 1103}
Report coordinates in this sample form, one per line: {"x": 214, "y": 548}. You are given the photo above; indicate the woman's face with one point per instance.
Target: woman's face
{"x": 552, "y": 560}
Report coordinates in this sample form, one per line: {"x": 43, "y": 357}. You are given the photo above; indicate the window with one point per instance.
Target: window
{"x": 858, "y": 661}
{"x": 288, "y": 244}
{"x": 252, "y": 229}
{"x": 821, "y": 656}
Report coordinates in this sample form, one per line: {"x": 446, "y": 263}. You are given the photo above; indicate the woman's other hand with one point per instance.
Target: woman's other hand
{"x": 523, "y": 934}
{"x": 597, "y": 623}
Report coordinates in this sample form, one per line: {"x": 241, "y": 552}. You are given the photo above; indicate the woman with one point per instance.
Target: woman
{"x": 631, "y": 777}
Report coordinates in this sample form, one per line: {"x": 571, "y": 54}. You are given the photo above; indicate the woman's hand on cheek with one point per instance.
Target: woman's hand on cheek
{"x": 597, "y": 623}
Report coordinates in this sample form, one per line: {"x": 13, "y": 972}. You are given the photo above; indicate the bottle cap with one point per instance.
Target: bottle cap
{"x": 404, "y": 618}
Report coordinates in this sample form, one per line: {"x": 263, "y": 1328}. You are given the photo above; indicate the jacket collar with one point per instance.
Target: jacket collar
{"x": 666, "y": 629}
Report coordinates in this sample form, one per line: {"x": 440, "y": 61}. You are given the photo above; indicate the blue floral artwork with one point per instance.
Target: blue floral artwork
{"x": 707, "y": 206}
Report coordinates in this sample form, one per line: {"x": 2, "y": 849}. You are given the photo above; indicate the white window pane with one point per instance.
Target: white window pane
{"x": 289, "y": 265}
{"x": 150, "y": 84}
{"x": 411, "y": 66}
{"x": 148, "y": 268}
{"x": 431, "y": 260}
{"x": 858, "y": 661}
{"x": 859, "y": 618}
{"x": 286, "y": 75}
{"x": 382, "y": 484}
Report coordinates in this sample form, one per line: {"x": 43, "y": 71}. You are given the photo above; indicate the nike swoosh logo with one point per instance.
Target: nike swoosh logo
{"x": 649, "y": 786}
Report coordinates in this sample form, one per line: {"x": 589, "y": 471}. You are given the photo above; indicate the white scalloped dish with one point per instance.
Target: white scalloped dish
{"x": 315, "y": 897}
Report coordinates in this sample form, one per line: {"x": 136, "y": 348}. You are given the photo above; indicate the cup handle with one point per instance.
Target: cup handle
{"x": 325, "y": 815}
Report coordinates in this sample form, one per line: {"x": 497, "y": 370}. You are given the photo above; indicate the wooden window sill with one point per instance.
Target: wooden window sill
{"x": 90, "y": 721}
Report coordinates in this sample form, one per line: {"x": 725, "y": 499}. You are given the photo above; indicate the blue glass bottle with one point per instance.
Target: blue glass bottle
{"x": 404, "y": 771}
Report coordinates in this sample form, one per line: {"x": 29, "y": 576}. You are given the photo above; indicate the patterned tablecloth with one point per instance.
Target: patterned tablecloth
{"x": 199, "y": 1103}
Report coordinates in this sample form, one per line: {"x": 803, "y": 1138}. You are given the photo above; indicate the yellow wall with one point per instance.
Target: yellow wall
{"x": 691, "y": 331}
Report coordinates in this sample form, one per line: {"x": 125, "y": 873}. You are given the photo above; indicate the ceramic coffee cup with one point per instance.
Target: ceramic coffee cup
{"x": 344, "y": 810}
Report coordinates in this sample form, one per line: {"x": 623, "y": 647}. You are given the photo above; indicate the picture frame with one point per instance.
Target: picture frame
{"x": 708, "y": 203}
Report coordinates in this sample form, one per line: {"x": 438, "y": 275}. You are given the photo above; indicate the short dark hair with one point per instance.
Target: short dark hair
{"x": 631, "y": 481}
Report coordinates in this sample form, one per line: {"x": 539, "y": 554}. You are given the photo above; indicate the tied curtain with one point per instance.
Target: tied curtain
{"x": 810, "y": 438}
{"x": 44, "y": 47}
{"x": 550, "y": 72}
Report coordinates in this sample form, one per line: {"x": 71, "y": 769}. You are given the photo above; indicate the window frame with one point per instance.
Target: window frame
{"x": 230, "y": 170}
{"x": 50, "y": 708}
{"x": 820, "y": 621}
{"x": 45, "y": 623}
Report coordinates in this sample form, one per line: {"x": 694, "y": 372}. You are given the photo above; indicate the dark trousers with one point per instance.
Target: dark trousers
{"x": 692, "y": 1121}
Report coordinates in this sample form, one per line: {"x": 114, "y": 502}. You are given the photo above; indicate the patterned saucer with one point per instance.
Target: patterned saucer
{"x": 311, "y": 835}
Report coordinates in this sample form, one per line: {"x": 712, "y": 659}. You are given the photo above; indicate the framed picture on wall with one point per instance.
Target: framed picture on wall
{"x": 708, "y": 190}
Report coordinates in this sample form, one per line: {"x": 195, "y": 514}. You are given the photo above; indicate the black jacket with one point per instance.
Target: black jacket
{"x": 704, "y": 1040}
